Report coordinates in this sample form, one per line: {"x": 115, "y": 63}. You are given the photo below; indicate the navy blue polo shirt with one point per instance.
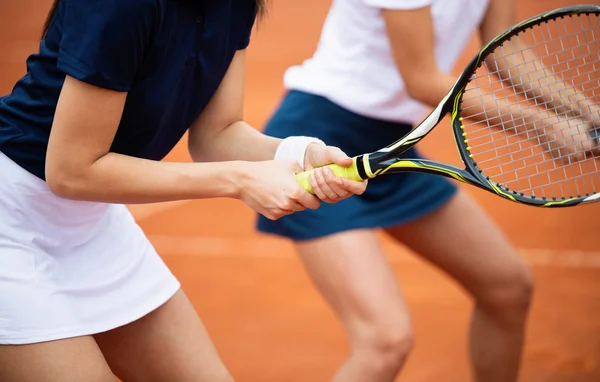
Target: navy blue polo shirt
{"x": 170, "y": 56}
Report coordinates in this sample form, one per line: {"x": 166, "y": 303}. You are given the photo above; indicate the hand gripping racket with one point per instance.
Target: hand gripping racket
{"x": 525, "y": 115}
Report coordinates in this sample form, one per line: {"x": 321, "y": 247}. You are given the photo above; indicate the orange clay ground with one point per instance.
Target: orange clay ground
{"x": 264, "y": 315}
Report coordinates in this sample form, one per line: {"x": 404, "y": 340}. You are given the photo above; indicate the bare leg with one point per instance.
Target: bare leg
{"x": 353, "y": 275}
{"x": 460, "y": 239}
{"x": 169, "y": 344}
{"x": 70, "y": 360}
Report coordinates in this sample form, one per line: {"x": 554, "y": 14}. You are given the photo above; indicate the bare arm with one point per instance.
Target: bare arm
{"x": 411, "y": 36}
{"x": 80, "y": 166}
{"x": 219, "y": 133}
{"x": 518, "y": 65}
{"x": 412, "y": 39}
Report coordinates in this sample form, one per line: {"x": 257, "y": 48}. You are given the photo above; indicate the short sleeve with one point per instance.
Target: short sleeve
{"x": 398, "y": 4}
{"x": 247, "y": 30}
{"x": 103, "y": 42}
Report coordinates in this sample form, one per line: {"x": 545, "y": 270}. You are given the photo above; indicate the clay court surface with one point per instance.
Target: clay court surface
{"x": 264, "y": 315}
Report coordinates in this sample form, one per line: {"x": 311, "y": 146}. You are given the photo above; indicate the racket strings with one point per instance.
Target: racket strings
{"x": 509, "y": 157}
{"x": 549, "y": 54}
{"x": 531, "y": 111}
{"x": 538, "y": 165}
{"x": 523, "y": 93}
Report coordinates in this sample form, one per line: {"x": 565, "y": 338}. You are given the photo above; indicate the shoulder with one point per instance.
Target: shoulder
{"x": 244, "y": 17}
{"x": 117, "y": 5}
{"x": 137, "y": 7}
{"x": 244, "y": 9}
{"x": 118, "y": 10}
{"x": 244, "y": 6}
{"x": 103, "y": 42}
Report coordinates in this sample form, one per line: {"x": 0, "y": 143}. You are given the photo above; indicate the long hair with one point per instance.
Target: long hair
{"x": 49, "y": 18}
{"x": 261, "y": 6}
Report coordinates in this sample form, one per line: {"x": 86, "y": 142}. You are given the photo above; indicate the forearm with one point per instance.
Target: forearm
{"x": 530, "y": 77}
{"x": 497, "y": 113}
{"x": 481, "y": 107}
{"x": 239, "y": 141}
{"x": 116, "y": 178}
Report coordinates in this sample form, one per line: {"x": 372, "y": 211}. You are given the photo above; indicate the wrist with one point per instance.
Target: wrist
{"x": 235, "y": 178}
{"x": 295, "y": 148}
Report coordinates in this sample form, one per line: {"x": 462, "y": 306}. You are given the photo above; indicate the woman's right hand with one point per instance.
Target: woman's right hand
{"x": 270, "y": 188}
{"x": 569, "y": 141}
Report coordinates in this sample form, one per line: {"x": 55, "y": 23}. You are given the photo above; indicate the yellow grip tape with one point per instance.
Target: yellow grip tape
{"x": 351, "y": 173}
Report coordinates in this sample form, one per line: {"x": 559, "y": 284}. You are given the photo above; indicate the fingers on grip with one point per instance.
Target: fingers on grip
{"x": 303, "y": 179}
{"x": 351, "y": 173}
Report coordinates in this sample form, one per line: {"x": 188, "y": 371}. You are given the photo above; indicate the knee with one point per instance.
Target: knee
{"x": 509, "y": 297}
{"x": 384, "y": 347}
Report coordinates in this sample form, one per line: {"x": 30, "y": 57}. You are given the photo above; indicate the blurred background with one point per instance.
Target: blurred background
{"x": 263, "y": 313}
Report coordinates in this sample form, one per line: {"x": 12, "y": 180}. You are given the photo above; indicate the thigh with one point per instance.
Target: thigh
{"x": 352, "y": 273}
{"x": 169, "y": 344}
{"x": 464, "y": 242}
{"x": 70, "y": 360}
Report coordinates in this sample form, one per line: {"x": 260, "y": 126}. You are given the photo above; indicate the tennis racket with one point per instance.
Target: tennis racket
{"x": 525, "y": 115}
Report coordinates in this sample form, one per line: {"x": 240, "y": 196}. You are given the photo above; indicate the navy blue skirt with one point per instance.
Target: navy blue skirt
{"x": 389, "y": 200}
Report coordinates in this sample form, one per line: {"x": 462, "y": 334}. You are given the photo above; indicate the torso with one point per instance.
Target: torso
{"x": 353, "y": 65}
{"x": 189, "y": 51}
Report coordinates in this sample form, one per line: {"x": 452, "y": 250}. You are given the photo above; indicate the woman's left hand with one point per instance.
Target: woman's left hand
{"x": 326, "y": 186}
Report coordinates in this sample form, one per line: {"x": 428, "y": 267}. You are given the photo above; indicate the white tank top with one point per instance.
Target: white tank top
{"x": 353, "y": 64}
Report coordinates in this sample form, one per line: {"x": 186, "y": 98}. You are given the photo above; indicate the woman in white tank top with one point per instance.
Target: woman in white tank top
{"x": 379, "y": 66}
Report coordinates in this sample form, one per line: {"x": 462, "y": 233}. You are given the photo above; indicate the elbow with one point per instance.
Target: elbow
{"x": 416, "y": 91}
{"x": 195, "y": 150}
{"x": 65, "y": 184}
{"x": 429, "y": 87}
{"x": 202, "y": 148}
{"x": 420, "y": 84}
{"x": 421, "y": 91}
{"x": 197, "y": 154}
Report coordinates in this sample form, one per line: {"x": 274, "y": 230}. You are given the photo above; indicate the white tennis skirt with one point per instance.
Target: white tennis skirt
{"x": 71, "y": 268}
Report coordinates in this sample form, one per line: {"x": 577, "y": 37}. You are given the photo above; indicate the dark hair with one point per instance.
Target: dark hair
{"x": 261, "y": 6}
{"x": 49, "y": 18}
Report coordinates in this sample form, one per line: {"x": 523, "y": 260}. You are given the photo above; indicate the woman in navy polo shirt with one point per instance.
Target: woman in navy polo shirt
{"x": 114, "y": 86}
